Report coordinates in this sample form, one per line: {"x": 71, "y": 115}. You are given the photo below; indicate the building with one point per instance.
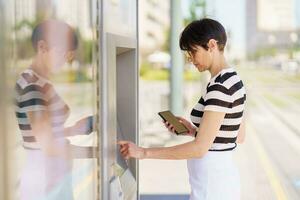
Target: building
{"x": 232, "y": 17}
{"x": 271, "y": 24}
{"x": 154, "y": 24}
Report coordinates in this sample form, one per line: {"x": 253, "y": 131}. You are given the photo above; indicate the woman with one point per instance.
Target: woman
{"x": 217, "y": 119}
{"x": 41, "y": 114}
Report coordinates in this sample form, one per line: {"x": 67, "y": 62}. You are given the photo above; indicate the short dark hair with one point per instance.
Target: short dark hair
{"x": 59, "y": 30}
{"x": 199, "y": 32}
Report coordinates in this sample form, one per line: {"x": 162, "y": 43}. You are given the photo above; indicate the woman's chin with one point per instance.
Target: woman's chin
{"x": 201, "y": 69}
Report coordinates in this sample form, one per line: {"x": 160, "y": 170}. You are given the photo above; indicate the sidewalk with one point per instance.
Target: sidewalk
{"x": 165, "y": 197}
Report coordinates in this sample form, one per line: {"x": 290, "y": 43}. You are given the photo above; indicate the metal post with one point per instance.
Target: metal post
{"x": 176, "y": 71}
{"x": 4, "y": 188}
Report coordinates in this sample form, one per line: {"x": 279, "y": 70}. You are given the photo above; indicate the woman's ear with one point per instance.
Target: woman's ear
{"x": 212, "y": 44}
{"x": 42, "y": 46}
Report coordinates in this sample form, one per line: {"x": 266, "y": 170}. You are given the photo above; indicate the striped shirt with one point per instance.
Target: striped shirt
{"x": 35, "y": 93}
{"x": 225, "y": 92}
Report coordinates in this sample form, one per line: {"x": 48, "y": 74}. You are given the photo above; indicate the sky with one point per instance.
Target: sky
{"x": 297, "y": 10}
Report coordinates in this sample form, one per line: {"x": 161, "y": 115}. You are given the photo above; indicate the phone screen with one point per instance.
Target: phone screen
{"x": 168, "y": 116}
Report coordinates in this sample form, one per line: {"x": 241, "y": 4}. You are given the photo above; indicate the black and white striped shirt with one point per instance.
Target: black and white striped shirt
{"x": 35, "y": 93}
{"x": 225, "y": 92}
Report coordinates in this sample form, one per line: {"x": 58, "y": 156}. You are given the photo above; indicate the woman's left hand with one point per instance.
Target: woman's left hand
{"x": 83, "y": 126}
{"x": 130, "y": 150}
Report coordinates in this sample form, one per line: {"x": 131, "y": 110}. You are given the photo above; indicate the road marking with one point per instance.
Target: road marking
{"x": 267, "y": 165}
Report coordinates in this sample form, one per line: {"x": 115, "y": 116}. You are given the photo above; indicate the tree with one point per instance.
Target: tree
{"x": 197, "y": 10}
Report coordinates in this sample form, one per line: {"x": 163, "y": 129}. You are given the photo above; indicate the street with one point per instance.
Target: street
{"x": 268, "y": 160}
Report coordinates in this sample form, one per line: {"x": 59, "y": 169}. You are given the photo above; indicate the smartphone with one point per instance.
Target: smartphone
{"x": 169, "y": 117}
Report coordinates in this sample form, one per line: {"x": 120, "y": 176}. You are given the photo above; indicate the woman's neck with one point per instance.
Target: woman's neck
{"x": 218, "y": 65}
{"x": 40, "y": 67}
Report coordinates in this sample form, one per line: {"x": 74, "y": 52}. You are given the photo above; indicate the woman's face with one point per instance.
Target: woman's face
{"x": 201, "y": 58}
{"x": 55, "y": 57}
{"x": 58, "y": 56}
{"x": 55, "y": 50}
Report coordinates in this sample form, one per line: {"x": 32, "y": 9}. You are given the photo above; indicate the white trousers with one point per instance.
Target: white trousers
{"x": 214, "y": 177}
{"x": 45, "y": 178}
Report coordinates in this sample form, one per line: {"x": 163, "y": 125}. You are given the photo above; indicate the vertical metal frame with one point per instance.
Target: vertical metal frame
{"x": 113, "y": 45}
{"x": 100, "y": 71}
{"x": 99, "y": 33}
{"x": 138, "y": 88}
{"x": 3, "y": 101}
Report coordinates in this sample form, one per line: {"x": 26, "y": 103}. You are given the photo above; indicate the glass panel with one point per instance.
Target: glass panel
{"x": 52, "y": 77}
{"x": 120, "y": 17}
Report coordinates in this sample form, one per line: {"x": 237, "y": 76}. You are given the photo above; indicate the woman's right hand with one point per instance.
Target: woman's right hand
{"x": 186, "y": 123}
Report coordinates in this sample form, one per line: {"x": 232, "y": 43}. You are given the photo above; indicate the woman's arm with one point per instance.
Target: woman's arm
{"x": 41, "y": 128}
{"x": 197, "y": 148}
{"x": 83, "y": 126}
{"x": 242, "y": 132}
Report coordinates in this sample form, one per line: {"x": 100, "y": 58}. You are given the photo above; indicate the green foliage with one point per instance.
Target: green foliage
{"x": 85, "y": 51}
{"x": 275, "y": 100}
{"x": 197, "y": 10}
{"x": 25, "y": 23}
{"x": 262, "y": 52}
{"x": 167, "y": 42}
{"x": 145, "y": 68}
{"x": 72, "y": 76}
{"x": 190, "y": 75}
{"x": 147, "y": 72}
{"x": 295, "y": 95}
{"x": 24, "y": 49}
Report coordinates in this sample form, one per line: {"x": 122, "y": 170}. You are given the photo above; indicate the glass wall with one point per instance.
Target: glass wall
{"x": 120, "y": 17}
{"x": 49, "y": 97}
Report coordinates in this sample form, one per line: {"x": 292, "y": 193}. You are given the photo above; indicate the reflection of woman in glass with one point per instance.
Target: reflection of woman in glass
{"x": 217, "y": 119}
{"x": 41, "y": 115}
